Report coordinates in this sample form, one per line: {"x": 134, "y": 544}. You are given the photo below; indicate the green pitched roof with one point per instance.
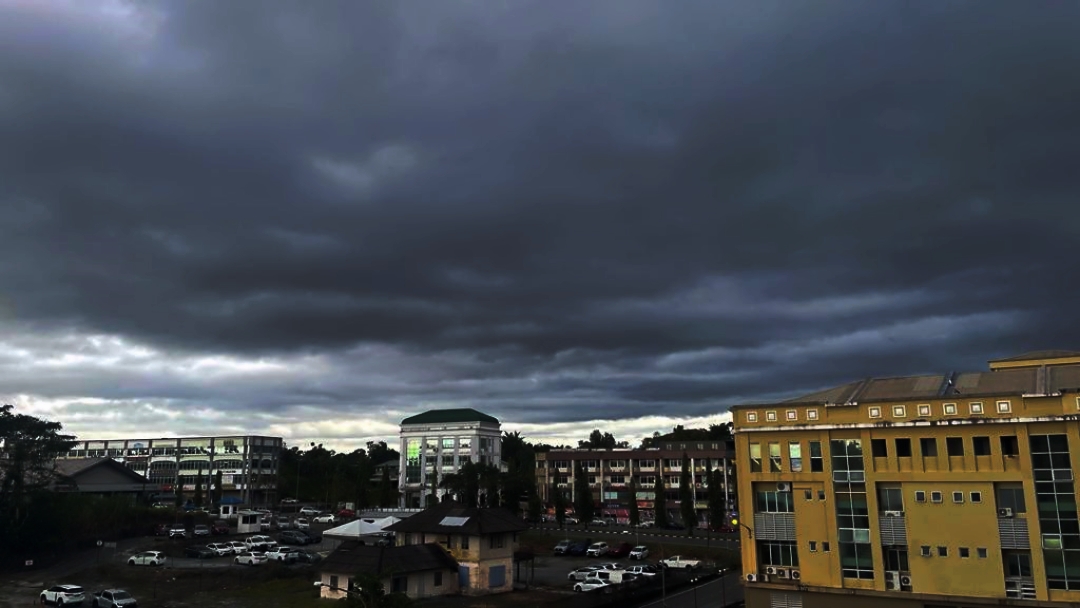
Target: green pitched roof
{"x": 464, "y": 414}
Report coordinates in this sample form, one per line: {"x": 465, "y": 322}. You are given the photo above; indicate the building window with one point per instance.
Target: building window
{"x": 890, "y": 499}
{"x": 928, "y": 446}
{"x": 981, "y": 552}
{"x": 825, "y": 546}
{"x": 808, "y": 494}
{"x": 771, "y": 501}
{"x": 879, "y": 449}
{"x": 852, "y": 511}
{"x": 1010, "y": 447}
{"x": 981, "y": 446}
{"x": 1011, "y": 496}
{"x": 811, "y": 414}
{"x": 770, "y": 416}
{"x": 1004, "y": 407}
{"x": 942, "y": 551}
{"x": 964, "y": 552}
{"x": 958, "y": 497}
{"x": 950, "y": 409}
{"x": 975, "y": 407}
{"x": 495, "y": 541}
{"x": 924, "y": 409}
{"x": 813, "y": 546}
{"x": 875, "y": 412}
{"x": 795, "y": 456}
{"x": 751, "y": 416}
{"x": 903, "y": 447}
{"x": 936, "y": 496}
{"x": 821, "y": 494}
{"x": 755, "y": 457}
{"x": 817, "y": 462}
{"x": 954, "y": 446}
{"x": 778, "y": 553}
{"x": 924, "y": 550}
{"x": 438, "y": 579}
{"x": 774, "y": 457}
{"x": 1055, "y": 493}
{"x": 899, "y": 411}
{"x": 976, "y": 497}
{"x": 334, "y": 582}
{"x": 465, "y": 543}
{"x": 792, "y": 415}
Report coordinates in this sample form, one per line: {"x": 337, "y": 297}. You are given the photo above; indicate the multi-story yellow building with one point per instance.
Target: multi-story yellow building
{"x": 919, "y": 492}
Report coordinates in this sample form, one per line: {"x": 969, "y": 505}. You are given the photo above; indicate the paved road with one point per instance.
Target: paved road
{"x": 645, "y": 537}
{"x": 717, "y": 593}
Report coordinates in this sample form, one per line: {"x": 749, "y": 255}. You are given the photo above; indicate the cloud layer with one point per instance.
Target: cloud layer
{"x": 247, "y": 216}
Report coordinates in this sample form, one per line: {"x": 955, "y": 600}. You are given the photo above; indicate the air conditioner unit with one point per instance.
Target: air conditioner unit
{"x": 782, "y": 573}
{"x": 751, "y": 578}
{"x": 795, "y": 575}
{"x": 892, "y": 580}
{"x": 770, "y": 570}
{"x": 894, "y": 513}
{"x": 783, "y": 486}
{"x": 1005, "y": 512}
{"x": 905, "y": 581}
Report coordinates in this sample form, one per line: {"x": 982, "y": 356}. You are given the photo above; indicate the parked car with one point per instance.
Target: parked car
{"x": 609, "y": 567}
{"x": 581, "y": 573}
{"x": 324, "y": 519}
{"x": 283, "y": 523}
{"x": 250, "y": 558}
{"x": 678, "y": 561}
{"x": 177, "y": 531}
{"x": 147, "y": 558}
{"x": 259, "y": 543}
{"x": 597, "y": 549}
{"x": 591, "y": 583}
{"x": 639, "y": 552}
{"x": 647, "y": 524}
{"x": 288, "y": 555}
{"x": 288, "y": 501}
{"x": 308, "y": 557}
{"x": 578, "y": 549}
{"x": 62, "y": 595}
{"x": 237, "y": 546}
{"x": 220, "y": 528}
{"x": 201, "y": 530}
{"x": 622, "y": 550}
{"x": 598, "y": 522}
{"x": 562, "y": 547}
{"x": 113, "y": 598}
{"x": 644, "y": 571}
{"x": 571, "y": 521}
{"x": 302, "y": 523}
{"x": 220, "y": 549}
{"x": 265, "y": 524}
{"x": 294, "y": 537}
{"x": 161, "y": 530}
{"x": 346, "y": 514}
{"x": 309, "y": 511}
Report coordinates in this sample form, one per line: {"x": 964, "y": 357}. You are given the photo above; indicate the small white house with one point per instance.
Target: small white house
{"x": 247, "y": 522}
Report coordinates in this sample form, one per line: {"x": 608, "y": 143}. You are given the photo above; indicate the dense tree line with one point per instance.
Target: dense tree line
{"x": 327, "y": 477}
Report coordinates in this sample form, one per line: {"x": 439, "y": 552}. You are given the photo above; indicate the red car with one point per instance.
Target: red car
{"x": 346, "y": 513}
{"x": 161, "y": 530}
{"x": 621, "y": 551}
{"x": 220, "y": 528}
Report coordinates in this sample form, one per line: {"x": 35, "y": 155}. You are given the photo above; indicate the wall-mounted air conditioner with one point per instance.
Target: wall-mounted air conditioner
{"x": 892, "y": 580}
{"x": 770, "y": 570}
{"x": 905, "y": 581}
{"x": 894, "y": 513}
{"x": 783, "y": 486}
{"x": 751, "y": 578}
{"x": 795, "y": 575}
{"x": 782, "y": 573}
{"x": 1005, "y": 512}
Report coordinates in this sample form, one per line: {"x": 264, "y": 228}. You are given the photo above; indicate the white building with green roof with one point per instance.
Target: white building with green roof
{"x": 444, "y": 440}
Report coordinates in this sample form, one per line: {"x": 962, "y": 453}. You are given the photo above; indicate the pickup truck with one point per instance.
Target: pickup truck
{"x": 677, "y": 561}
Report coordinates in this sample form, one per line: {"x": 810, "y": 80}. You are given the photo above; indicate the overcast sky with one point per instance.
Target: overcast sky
{"x": 312, "y": 219}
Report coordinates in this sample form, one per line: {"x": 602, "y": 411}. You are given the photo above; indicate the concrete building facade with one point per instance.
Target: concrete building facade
{"x": 248, "y": 463}
{"x": 930, "y": 491}
{"x": 611, "y": 471}
{"x": 442, "y": 441}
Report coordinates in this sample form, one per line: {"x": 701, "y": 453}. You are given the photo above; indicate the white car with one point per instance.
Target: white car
{"x": 678, "y": 561}
{"x": 62, "y": 595}
{"x": 309, "y": 511}
{"x": 591, "y": 583}
{"x": 581, "y": 573}
{"x": 259, "y": 543}
{"x": 610, "y": 566}
{"x": 647, "y": 524}
{"x": 147, "y": 558}
{"x": 220, "y": 549}
{"x": 250, "y": 558}
{"x": 639, "y": 552}
{"x": 642, "y": 570}
{"x": 302, "y": 523}
{"x": 325, "y": 519}
{"x": 283, "y": 554}
{"x": 237, "y": 546}
{"x": 597, "y": 550}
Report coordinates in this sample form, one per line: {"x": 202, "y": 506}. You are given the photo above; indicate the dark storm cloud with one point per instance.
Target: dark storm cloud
{"x": 583, "y": 210}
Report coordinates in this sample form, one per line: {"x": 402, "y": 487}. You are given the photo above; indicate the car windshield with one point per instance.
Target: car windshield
{"x": 639, "y": 548}
{"x": 73, "y": 589}
{"x": 121, "y": 595}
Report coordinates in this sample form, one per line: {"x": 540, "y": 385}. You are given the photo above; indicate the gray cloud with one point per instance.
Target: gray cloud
{"x": 554, "y": 212}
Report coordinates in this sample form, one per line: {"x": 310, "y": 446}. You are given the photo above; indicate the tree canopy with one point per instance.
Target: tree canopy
{"x": 715, "y": 432}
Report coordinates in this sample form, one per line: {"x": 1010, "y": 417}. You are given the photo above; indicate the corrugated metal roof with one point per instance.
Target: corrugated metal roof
{"x": 911, "y": 387}
{"x": 1063, "y": 377}
{"x": 1039, "y": 354}
{"x": 1005, "y": 382}
{"x": 837, "y": 394}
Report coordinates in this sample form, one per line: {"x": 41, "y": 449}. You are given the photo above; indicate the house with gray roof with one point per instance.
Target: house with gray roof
{"x": 418, "y": 571}
{"x": 101, "y": 477}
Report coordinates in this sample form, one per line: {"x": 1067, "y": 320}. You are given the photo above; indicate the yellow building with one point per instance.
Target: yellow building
{"x": 918, "y": 492}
